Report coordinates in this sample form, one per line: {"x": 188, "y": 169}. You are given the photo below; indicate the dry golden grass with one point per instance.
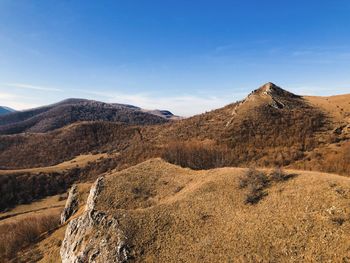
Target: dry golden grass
{"x": 23, "y": 186}
{"x": 337, "y": 106}
{"x": 19, "y": 233}
{"x": 51, "y": 202}
{"x": 77, "y": 162}
{"x": 43, "y": 205}
{"x": 47, "y": 248}
{"x": 333, "y": 158}
{"x": 28, "y": 220}
{"x": 172, "y": 214}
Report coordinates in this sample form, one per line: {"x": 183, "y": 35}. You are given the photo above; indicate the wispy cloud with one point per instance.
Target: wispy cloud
{"x": 332, "y": 54}
{"x": 184, "y": 105}
{"x": 298, "y": 53}
{"x": 319, "y": 90}
{"x": 240, "y": 45}
{"x": 29, "y": 86}
{"x": 21, "y": 105}
{"x": 14, "y": 101}
{"x": 224, "y": 47}
{"x": 6, "y": 96}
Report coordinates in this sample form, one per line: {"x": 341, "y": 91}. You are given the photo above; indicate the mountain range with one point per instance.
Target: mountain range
{"x": 169, "y": 189}
{"x": 269, "y": 127}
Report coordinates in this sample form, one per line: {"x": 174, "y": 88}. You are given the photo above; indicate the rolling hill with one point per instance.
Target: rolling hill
{"x": 158, "y": 212}
{"x": 70, "y": 111}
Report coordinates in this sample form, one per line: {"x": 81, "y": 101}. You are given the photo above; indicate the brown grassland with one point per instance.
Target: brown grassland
{"x": 209, "y": 215}
{"x": 165, "y": 209}
{"x": 200, "y": 198}
{"x": 31, "y": 232}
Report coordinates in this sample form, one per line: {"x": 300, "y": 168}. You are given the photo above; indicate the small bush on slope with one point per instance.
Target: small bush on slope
{"x": 278, "y": 175}
{"x": 257, "y": 182}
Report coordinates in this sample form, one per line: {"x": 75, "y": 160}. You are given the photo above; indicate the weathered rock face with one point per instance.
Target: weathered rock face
{"x": 71, "y": 205}
{"x": 94, "y": 236}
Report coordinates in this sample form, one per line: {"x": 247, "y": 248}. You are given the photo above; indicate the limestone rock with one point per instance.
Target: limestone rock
{"x": 94, "y": 236}
{"x": 71, "y": 204}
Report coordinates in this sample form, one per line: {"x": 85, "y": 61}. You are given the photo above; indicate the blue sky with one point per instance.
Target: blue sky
{"x": 185, "y": 56}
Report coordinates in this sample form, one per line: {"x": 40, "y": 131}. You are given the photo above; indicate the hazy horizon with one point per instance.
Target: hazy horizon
{"x": 184, "y": 57}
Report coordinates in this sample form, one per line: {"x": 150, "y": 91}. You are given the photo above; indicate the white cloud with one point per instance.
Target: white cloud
{"x": 15, "y": 101}
{"x": 6, "y": 96}
{"x": 184, "y": 105}
{"x": 298, "y": 53}
{"x": 29, "y": 86}
{"x": 310, "y": 90}
{"x": 224, "y": 47}
{"x": 21, "y": 106}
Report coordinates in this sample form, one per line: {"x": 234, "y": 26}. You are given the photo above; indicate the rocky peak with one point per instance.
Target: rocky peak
{"x": 273, "y": 95}
{"x": 272, "y": 90}
{"x": 269, "y": 86}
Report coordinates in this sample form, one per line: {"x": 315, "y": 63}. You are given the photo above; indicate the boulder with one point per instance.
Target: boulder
{"x": 71, "y": 205}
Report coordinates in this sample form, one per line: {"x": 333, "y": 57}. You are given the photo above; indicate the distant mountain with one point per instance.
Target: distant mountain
{"x": 161, "y": 113}
{"x": 164, "y": 113}
{"x": 69, "y": 111}
{"x": 5, "y": 110}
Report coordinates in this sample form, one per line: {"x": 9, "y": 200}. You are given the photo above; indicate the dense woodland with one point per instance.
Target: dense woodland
{"x": 23, "y": 188}
{"x": 64, "y": 144}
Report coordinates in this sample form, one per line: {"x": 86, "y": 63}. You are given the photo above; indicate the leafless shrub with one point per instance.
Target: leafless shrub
{"x": 253, "y": 178}
{"x": 338, "y": 220}
{"x": 18, "y": 234}
{"x": 256, "y": 182}
{"x": 278, "y": 175}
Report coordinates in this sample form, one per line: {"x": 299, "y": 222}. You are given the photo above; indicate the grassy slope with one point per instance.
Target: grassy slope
{"x": 177, "y": 215}
{"x": 337, "y": 106}
{"x": 41, "y": 206}
{"x": 77, "y": 162}
{"x": 331, "y": 156}
{"x": 47, "y": 249}
{"x": 172, "y": 214}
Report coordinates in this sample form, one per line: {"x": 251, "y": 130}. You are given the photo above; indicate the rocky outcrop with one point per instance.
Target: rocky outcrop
{"x": 71, "y": 205}
{"x": 95, "y": 236}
